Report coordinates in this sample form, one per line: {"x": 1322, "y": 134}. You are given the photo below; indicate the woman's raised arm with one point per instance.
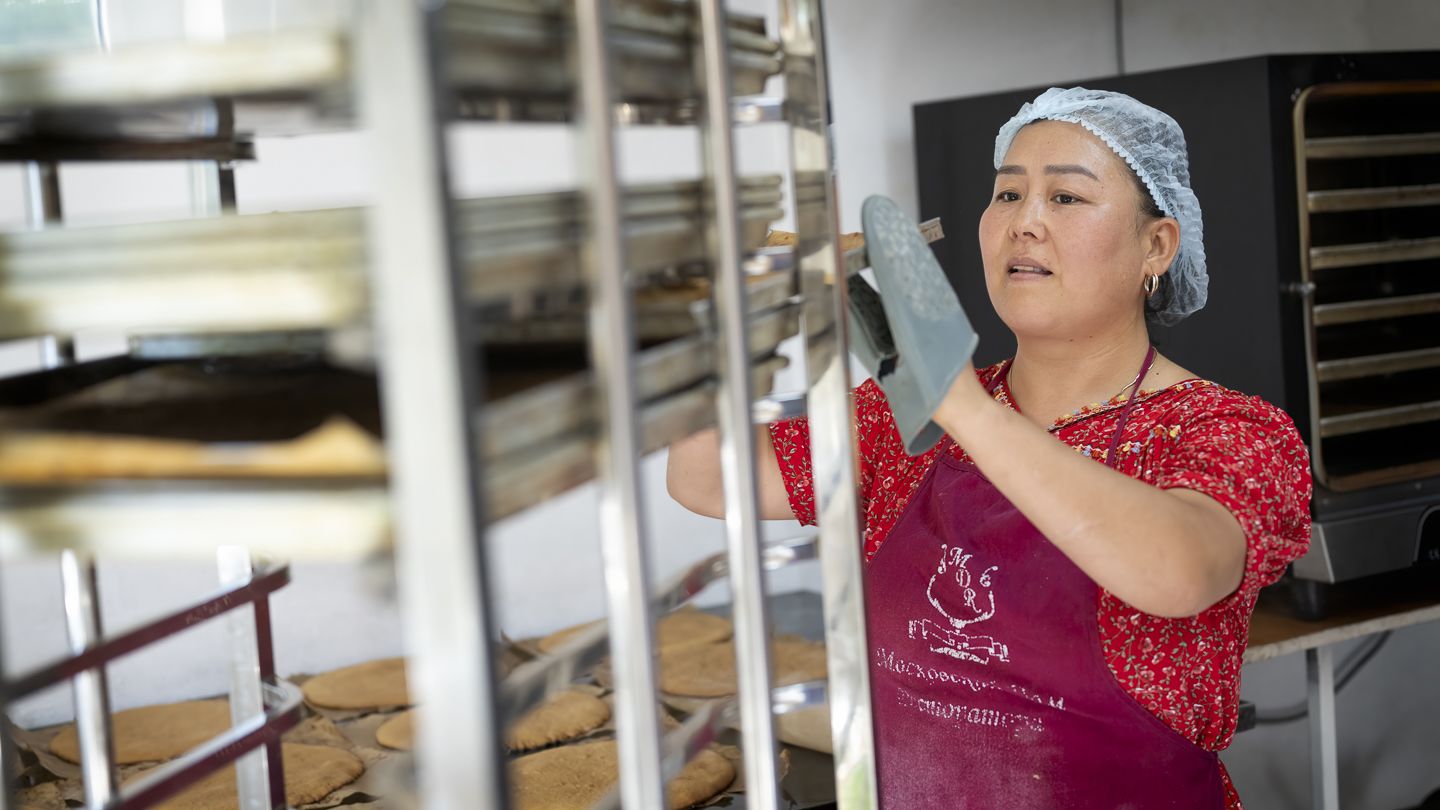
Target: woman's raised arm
{"x": 693, "y": 478}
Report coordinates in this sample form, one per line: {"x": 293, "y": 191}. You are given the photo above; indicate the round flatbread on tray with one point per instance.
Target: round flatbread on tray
{"x": 563, "y": 717}
{"x": 371, "y": 685}
{"x": 708, "y": 670}
{"x": 312, "y": 772}
{"x": 676, "y": 629}
{"x": 575, "y": 777}
{"x": 154, "y": 733}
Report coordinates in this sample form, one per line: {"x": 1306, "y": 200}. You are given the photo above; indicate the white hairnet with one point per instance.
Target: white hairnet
{"x": 1151, "y": 143}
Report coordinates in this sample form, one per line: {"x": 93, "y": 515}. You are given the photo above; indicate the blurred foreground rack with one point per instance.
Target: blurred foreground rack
{"x": 388, "y": 381}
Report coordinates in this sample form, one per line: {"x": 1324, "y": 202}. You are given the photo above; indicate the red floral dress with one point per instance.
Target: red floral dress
{"x": 1238, "y": 449}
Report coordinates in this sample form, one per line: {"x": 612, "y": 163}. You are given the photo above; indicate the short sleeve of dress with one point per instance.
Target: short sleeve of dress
{"x": 1247, "y": 455}
{"x": 875, "y": 435}
{"x": 791, "y": 439}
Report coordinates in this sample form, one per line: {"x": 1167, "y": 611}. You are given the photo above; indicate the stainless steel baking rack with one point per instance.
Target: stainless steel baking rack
{"x": 505, "y": 60}
{"x": 308, "y": 270}
{"x": 425, "y": 280}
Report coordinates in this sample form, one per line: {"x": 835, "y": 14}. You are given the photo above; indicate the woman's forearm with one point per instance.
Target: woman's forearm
{"x": 692, "y": 473}
{"x": 694, "y": 477}
{"x": 1165, "y": 552}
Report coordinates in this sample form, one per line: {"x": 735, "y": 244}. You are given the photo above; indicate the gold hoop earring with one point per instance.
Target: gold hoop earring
{"x": 1151, "y": 285}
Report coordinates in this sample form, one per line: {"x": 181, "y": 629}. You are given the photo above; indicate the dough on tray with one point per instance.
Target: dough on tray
{"x": 371, "y": 685}
{"x": 848, "y": 241}
{"x": 708, "y": 670}
{"x": 337, "y": 449}
{"x": 578, "y": 776}
{"x": 678, "y": 628}
{"x": 312, "y": 772}
{"x": 398, "y": 732}
{"x": 154, "y": 733}
{"x": 562, "y": 717}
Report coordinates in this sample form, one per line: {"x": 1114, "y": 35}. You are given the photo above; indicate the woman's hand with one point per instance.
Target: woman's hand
{"x": 965, "y": 404}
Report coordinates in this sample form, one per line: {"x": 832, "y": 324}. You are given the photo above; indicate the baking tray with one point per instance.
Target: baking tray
{"x": 521, "y": 49}
{"x": 531, "y": 395}
{"x": 515, "y": 245}
{"x": 661, "y": 312}
{"x": 809, "y": 780}
{"x": 303, "y": 519}
{"x": 553, "y": 408}
{"x": 176, "y": 519}
{"x": 148, "y": 74}
{"x": 506, "y": 60}
{"x": 519, "y": 481}
{"x": 538, "y": 441}
{"x": 306, "y": 270}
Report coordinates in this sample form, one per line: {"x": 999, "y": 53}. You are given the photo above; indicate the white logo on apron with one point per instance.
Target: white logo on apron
{"x": 954, "y": 588}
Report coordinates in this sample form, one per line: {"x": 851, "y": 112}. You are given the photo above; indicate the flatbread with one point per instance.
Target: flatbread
{"x": 44, "y": 796}
{"x": 562, "y": 717}
{"x": 575, "y": 777}
{"x": 154, "y": 733}
{"x": 675, "y": 629}
{"x": 398, "y": 732}
{"x": 337, "y": 449}
{"x": 708, "y": 670}
{"x": 371, "y": 685}
{"x": 848, "y": 241}
{"x": 312, "y": 772}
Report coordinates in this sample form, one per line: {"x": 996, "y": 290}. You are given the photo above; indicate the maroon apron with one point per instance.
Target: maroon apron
{"x": 990, "y": 689}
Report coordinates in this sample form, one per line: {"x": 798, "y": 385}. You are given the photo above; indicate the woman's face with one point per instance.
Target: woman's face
{"x": 1064, "y": 244}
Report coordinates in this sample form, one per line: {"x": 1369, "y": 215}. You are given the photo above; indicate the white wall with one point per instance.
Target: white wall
{"x": 884, "y": 58}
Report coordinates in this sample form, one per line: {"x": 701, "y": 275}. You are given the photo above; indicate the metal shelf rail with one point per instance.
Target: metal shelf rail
{"x": 263, "y": 707}
{"x": 394, "y": 76}
{"x": 831, "y": 418}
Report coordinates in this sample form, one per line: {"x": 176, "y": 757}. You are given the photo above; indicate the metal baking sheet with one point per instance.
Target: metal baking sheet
{"x": 1376, "y": 309}
{"x": 306, "y": 270}
{"x": 810, "y": 782}
{"x": 515, "y": 245}
{"x": 1378, "y": 418}
{"x": 264, "y": 273}
{"x": 1329, "y": 257}
{"x": 662, "y": 312}
{"x": 532, "y": 395}
{"x": 171, "y": 519}
{"x": 535, "y": 416}
{"x": 528, "y": 478}
{"x": 507, "y": 60}
{"x": 504, "y": 47}
{"x": 164, "y": 71}
{"x": 529, "y": 459}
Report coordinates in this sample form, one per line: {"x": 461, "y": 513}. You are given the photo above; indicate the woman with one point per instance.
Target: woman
{"x": 1061, "y": 623}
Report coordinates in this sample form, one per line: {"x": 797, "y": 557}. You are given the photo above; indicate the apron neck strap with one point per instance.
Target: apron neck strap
{"x": 999, "y": 377}
{"x": 1129, "y": 406}
{"x": 1004, "y": 373}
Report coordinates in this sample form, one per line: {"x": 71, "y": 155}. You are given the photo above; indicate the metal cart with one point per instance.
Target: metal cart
{"x": 411, "y": 286}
